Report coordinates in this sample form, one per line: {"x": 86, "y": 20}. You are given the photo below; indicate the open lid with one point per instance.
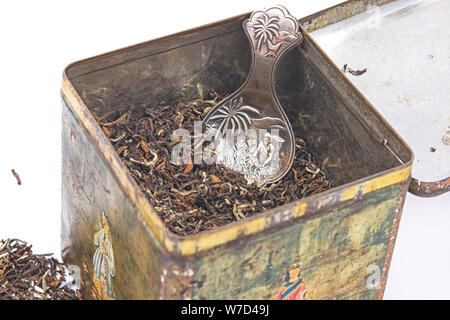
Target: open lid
{"x": 404, "y": 45}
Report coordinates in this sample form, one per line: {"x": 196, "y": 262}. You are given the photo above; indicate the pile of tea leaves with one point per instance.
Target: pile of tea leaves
{"x": 192, "y": 198}
{"x": 28, "y": 276}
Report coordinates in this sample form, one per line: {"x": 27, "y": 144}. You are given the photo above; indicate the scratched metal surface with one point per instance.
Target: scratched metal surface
{"x": 405, "y": 46}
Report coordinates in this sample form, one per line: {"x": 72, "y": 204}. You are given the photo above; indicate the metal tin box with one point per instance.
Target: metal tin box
{"x": 339, "y": 242}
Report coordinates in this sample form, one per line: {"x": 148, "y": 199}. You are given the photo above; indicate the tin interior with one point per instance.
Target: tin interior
{"x": 405, "y": 47}
{"x": 343, "y": 132}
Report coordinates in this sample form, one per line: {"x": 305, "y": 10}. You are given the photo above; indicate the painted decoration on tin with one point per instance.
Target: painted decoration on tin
{"x": 103, "y": 260}
{"x": 295, "y": 286}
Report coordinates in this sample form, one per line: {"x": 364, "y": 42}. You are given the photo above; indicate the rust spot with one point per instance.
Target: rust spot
{"x": 405, "y": 100}
{"x": 429, "y": 189}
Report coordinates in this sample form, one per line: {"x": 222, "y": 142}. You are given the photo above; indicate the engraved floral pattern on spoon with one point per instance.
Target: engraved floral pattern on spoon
{"x": 271, "y": 30}
{"x": 236, "y": 117}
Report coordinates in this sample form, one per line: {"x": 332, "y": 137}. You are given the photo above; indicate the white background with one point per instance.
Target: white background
{"x": 39, "y": 38}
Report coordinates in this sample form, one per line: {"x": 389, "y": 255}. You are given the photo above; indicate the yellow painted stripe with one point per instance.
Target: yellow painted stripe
{"x": 209, "y": 240}
{"x": 376, "y": 183}
{"x": 300, "y": 209}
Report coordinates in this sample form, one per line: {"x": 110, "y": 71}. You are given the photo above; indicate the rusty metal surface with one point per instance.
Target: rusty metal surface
{"x": 404, "y": 46}
{"x": 393, "y": 236}
{"x": 343, "y": 129}
{"x": 429, "y": 189}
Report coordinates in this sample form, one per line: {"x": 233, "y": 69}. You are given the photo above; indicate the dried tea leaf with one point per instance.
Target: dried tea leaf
{"x": 357, "y": 72}
{"x": 354, "y": 72}
{"x": 106, "y": 131}
{"x": 115, "y": 122}
{"x": 189, "y": 167}
{"x": 214, "y": 179}
{"x": 28, "y": 276}
{"x": 16, "y": 175}
{"x": 121, "y": 149}
{"x": 173, "y": 143}
{"x": 144, "y": 146}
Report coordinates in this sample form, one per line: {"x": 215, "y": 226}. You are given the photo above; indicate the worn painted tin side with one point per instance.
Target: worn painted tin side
{"x": 93, "y": 205}
{"x": 340, "y": 253}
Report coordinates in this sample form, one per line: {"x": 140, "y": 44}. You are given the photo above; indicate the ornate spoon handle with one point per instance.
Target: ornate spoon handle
{"x": 272, "y": 32}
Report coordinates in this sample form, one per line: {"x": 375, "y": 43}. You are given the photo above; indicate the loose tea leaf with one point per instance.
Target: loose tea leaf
{"x": 357, "y": 72}
{"x": 197, "y": 197}
{"x": 16, "y": 175}
{"x": 27, "y": 276}
{"x": 345, "y": 68}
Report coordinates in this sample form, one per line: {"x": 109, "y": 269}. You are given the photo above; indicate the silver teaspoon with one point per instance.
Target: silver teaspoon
{"x": 250, "y": 130}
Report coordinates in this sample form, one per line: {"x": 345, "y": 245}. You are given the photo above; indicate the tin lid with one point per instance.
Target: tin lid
{"x": 397, "y": 54}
